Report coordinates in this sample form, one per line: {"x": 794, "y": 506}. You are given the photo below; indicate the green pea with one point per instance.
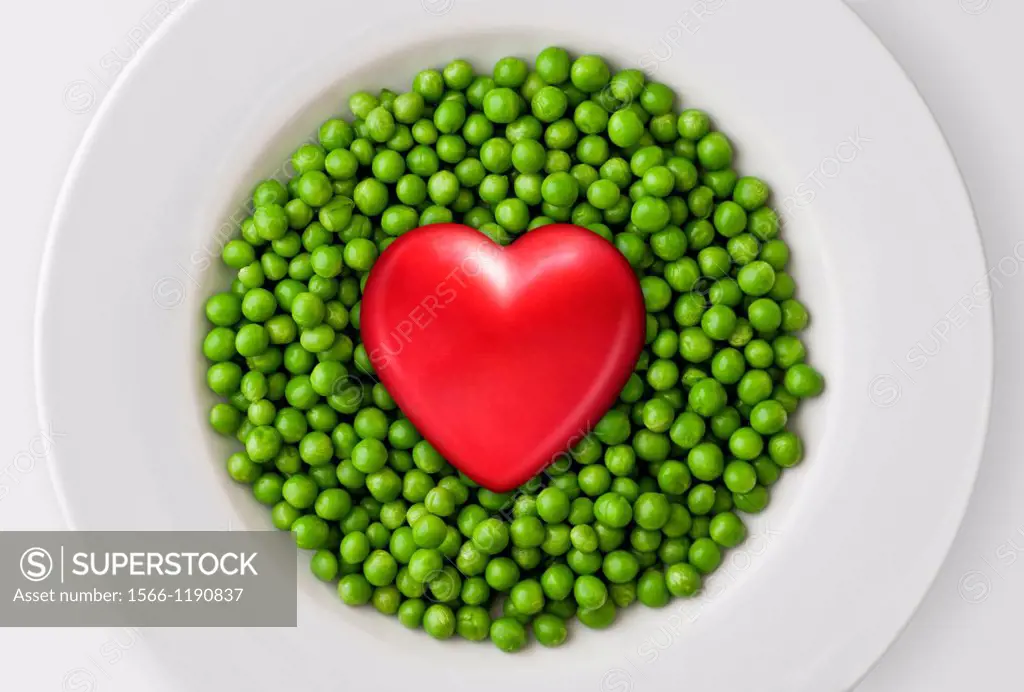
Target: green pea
{"x": 598, "y": 618}
{"x": 647, "y": 498}
{"x": 439, "y": 621}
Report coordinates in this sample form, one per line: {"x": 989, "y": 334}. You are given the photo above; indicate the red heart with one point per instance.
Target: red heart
{"x": 503, "y": 358}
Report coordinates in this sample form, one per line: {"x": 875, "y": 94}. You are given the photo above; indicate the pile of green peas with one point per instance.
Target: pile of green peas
{"x": 644, "y": 506}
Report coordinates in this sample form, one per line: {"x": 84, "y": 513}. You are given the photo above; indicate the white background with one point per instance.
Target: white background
{"x": 964, "y": 56}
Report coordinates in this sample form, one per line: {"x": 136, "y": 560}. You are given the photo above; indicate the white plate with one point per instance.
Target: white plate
{"x": 886, "y": 255}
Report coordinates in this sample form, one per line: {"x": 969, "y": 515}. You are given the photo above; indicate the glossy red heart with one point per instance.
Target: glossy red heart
{"x": 502, "y": 357}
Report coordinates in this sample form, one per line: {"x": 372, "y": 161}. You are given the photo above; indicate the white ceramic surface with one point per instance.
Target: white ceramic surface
{"x": 853, "y": 537}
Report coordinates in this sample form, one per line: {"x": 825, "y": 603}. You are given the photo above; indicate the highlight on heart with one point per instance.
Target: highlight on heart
{"x": 427, "y": 310}
{"x": 538, "y": 336}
